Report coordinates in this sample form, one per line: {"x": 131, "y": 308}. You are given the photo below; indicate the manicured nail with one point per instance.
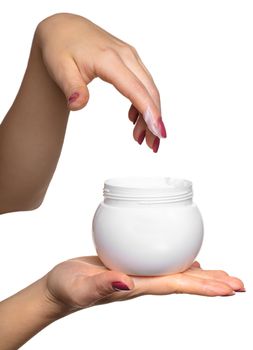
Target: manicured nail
{"x": 118, "y": 285}
{"x": 156, "y": 144}
{"x": 135, "y": 119}
{"x": 148, "y": 117}
{"x": 161, "y": 127}
{"x": 141, "y": 137}
{"x": 73, "y": 97}
{"x": 155, "y": 126}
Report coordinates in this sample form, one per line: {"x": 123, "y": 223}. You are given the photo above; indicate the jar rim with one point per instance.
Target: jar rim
{"x": 145, "y": 188}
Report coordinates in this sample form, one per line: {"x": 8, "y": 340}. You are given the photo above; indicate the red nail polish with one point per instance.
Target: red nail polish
{"x": 141, "y": 137}
{"x": 135, "y": 120}
{"x": 118, "y": 285}
{"x": 74, "y": 97}
{"x": 156, "y": 144}
{"x": 161, "y": 127}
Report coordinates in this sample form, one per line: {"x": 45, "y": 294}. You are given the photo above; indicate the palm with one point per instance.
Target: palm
{"x": 75, "y": 283}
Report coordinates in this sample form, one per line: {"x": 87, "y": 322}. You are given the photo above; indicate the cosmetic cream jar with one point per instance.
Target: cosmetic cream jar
{"x": 147, "y": 226}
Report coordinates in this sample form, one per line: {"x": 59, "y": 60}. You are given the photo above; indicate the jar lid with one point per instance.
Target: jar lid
{"x": 148, "y": 188}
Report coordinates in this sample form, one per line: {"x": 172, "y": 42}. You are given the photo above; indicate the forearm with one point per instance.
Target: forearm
{"x": 25, "y": 314}
{"x": 31, "y": 137}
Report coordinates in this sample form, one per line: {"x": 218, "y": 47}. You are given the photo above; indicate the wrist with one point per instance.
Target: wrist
{"x": 55, "y": 308}
{"x": 39, "y": 304}
{"x": 28, "y": 312}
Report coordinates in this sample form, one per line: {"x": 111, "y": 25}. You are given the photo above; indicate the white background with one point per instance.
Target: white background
{"x": 200, "y": 55}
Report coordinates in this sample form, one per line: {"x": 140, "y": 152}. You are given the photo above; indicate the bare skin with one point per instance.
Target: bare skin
{"x": 60, "y": 67}
{"x": 84, "y": 282}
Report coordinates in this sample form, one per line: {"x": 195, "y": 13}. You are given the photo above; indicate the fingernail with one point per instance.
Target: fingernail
{"x": 156, "y": 144}
{"x": 135, "y": 120}
{"x": 161, "y": 126}
{"x": 73, "y": 97}
{"x": 155, "y": 126}
{"x": 118, "y": 285}
{"x": 148, "y": 117}
{"x": 141, "y": 137}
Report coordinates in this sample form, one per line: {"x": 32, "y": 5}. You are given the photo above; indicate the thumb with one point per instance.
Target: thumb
{"x": 108, "y": 282}
{"x": 69, "y": 79}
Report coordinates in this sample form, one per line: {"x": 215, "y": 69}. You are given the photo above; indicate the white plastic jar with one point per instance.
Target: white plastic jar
{"x": 147, "y": 226}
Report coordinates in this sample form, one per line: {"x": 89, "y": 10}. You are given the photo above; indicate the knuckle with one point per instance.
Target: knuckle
{"x": 178, "y": 284}
{"x": 107, "y": 57}
{"x": 108, "y": 54}
{"x": 133, "y": 50}
{"x": 207, "y": 288}
{"x": 156, "y": 94}
{"x": 128, "y": 51}
{"x": 102, "y": 292}
{"x": 137, "y": 90}
{"x": 222, "y": 273}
